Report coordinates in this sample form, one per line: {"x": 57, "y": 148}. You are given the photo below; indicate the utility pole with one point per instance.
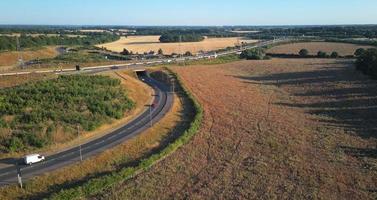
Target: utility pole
{"x": 78, "y": 134}
{"x": 20, "y": 57}
{"x": 172, "y": 83}
{"x": 150, "y": 115}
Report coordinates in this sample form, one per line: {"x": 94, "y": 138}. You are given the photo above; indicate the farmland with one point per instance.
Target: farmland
{"x": 11, "y": 58}
{"x": 343, "y": 49}
{"x": 141, "y": 44}
{"x": 283, "y": 128}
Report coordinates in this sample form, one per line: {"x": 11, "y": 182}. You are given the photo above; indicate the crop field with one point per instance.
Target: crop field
{"x": 141, "y": 44}
{"x": 276, "y": 129}
{"x": 11, "y": 58}
{"x": 343, "y": 49}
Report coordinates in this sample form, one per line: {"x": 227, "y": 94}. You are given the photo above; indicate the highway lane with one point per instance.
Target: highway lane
{"x": 163, "y": 101}
{"x": 150, "y": 62}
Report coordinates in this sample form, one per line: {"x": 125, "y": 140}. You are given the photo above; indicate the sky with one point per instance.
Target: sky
{"x": 188, "y": 12}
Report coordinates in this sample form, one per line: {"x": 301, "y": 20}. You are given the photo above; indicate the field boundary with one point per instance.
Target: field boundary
{"x": 97, "y": 185}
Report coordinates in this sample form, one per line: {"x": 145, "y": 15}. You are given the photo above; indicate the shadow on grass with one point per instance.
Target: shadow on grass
{"x": 353, "y": 107}
{"x": 187, "y": 114}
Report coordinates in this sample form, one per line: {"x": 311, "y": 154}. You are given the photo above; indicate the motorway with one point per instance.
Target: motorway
{"x": 163, "y": 100}
{"x": 143, "y": 63}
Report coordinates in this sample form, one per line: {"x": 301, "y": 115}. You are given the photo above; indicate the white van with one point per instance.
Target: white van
{"x": 33, "y": 158}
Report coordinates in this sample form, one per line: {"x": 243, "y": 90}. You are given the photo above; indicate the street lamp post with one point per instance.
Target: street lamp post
{"x": 150, "y": 115}
{"x": 78, "y": 134}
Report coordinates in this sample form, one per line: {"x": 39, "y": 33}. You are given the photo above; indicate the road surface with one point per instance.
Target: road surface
{"x": 149, "y": 62}
{"x": 163, "y": 100}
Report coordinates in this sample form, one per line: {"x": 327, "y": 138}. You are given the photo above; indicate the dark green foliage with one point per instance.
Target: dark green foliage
{"x": 253, "y": 54}
{"x": 188, "y": 53}
{"x": 125, "y": 52}
{"x": 9, "y": 42}
{"x": 37, "y": 108}
{"x": 75, "y": 57}
{"x": 359, "y": 52}
{"x": 160, "y": 52}
{"x": 322, "y": 54}
{"x": 334, "y": 54}
{"x": 303, "y": 53}
{"x": 169, "y": 37}
{"x": 367, "y": 62}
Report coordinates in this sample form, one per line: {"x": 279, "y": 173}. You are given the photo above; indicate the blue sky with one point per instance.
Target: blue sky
{"x": 189, "y": 12}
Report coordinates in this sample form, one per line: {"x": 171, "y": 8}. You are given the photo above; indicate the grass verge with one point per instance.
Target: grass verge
{"x": 97, "y": 185}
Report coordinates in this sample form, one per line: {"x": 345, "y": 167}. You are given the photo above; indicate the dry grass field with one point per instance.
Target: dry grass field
{"x": 10, "y": 81}
{"x": 11, "y": 58}
{"x": 143, "y": 44}
{"x": 343, "y": 49}
{"x": 277, "y": 129}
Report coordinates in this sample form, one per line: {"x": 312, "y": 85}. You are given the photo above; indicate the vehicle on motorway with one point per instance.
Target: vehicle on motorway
{"x": 33, "y": 158}
{"x": 114, "y": 67}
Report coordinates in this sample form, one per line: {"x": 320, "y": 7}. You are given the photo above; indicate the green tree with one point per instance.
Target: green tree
{"x": 303, "y": 53}
{"x": 359, "y": 52}
{"x": 334, "y": 54}
{"x": 188, "y": 53}
{"x": 322, "y": 54}
{"x": 367, "y": 62}
{"x": 125, "y": 52}
{"x": 253, "y": 54}
{"x": 160, "y": 52}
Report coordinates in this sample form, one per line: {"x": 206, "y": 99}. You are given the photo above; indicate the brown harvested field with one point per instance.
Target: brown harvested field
{"x": 343, "y": 49}
{"x": 10, "y": 81}
{"x": 143, "y": 44}
{"x": 11, "y": 58}
{"x": 277, "y": 129}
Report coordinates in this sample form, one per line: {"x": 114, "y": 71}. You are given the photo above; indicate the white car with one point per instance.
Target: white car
{"x": 33, "y": 158}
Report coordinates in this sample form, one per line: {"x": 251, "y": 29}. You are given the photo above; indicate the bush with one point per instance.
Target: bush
{"x": 188, "y": 53}
{"x": 303, "y": 53}
{"x": 359, "y": 52}
{"x": 253, "y": 54}
{"x": 334, "y": 54}
{"x": 367, "y": 62}
{"x": 322, "y": 54}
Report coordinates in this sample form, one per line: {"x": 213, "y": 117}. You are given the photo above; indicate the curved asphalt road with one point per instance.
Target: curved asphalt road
{"x": 163, "y": 101}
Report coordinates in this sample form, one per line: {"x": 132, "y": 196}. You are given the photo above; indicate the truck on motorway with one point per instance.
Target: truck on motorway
{"x": 33, "y": 158}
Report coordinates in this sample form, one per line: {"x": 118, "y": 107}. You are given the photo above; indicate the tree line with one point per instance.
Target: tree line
{"x": 9, "y": 43}
{"x": 167, "y": 38}
{"x": 367, "y": 61}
